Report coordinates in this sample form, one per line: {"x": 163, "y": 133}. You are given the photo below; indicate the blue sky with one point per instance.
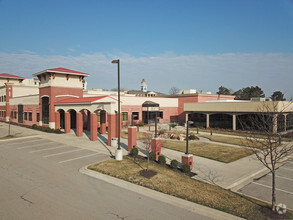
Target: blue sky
{"x": 200, "y": 44}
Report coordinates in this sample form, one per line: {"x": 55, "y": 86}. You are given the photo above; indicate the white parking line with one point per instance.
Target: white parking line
{"x": 64, "y": 161}
{"x": 271, "y": 187}
{"x": 286, "y": 168}
{"x": 51, "y": 148}
{"x": 282, "y": 177}
{"x": 65, "y": 152}
{"x": 34, "y": 145}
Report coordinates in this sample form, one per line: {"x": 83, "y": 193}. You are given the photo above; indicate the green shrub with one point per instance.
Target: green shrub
{"x": 173, "y": 125}
{"x": 174, "y": 164}
{"x": 185, "y": 168}
{"x": 134, "y": 152}
{"x": 162, "y": 160}
{"x": 34, "y": 126}
{"x": 192, "y": 137}
{"x": 152, "y": 156}
{"x": 57, "y": 131}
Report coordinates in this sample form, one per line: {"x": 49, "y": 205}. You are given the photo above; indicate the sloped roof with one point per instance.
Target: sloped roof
{"x": 62, "y": 71}
{"x": 10, "y": 76}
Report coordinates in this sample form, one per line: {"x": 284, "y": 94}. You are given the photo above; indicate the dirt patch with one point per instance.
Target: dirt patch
{"x": 147, "y": 173}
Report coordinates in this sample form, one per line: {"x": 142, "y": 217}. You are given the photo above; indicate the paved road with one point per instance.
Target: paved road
{"x": 40, "y": 180}
{"x": 261, "y": 188}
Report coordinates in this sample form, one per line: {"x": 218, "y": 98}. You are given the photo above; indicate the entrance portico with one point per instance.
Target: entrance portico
{"x": 83, "y": 113}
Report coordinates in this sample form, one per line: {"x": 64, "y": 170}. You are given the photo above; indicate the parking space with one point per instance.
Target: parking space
{"x": 62, "y": 154}
{"x": 261, "y": 188}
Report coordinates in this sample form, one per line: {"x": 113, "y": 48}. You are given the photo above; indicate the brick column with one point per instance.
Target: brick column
{"x": 103, "y": 122}
{"x": 79, "y": 125}
{"x": 94, "y": 126}
{"x": 111, "y": 128}
{"x": 131, "y": 137}
{"x": 67, "y": 122}
{"x": 156, "y": 146}
{"x": 187, "y": 159}
{"x": 57, "y": 118}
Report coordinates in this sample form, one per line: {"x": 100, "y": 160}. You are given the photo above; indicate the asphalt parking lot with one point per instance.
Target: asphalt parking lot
{"x": 261, "y": 188}
{"x": 55, "y": 152}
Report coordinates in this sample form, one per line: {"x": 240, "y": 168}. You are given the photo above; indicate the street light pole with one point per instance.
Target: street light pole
{"x": 118, "y": 62}
{"x": 187, "y": 127}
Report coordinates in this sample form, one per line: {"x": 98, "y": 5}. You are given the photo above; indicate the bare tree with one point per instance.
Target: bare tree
{"x": 174, "y": 90}
{"x": 147, "y": 141}
{"x": 264, "y": 136}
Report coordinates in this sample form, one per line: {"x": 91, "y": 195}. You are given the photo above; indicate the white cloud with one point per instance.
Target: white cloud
{"x": 273, "y": 71}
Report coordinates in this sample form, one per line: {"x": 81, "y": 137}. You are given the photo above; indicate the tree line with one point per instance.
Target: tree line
{"x": 250, "y": 92}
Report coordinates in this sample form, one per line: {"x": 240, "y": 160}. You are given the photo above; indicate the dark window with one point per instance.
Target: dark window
{"x": 15, "y": 114}
{"x": 124, "y": 116}
{"x": 11, "y": 114}
{"x": 38, "y": 116}
{"x": 161, "y": 114}
{"x": 25, "y": 116}
{"x": 135, "y": 115}
{"x": 45, "y": 110}
{"x": 30, "y": 116}
{"x": 4, "y": 113}
{"x": 5, "y": 98}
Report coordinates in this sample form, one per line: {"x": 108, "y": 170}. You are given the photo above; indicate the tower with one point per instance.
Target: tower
{"x": 143, "y": 86}
{"x": 57, "y": 84}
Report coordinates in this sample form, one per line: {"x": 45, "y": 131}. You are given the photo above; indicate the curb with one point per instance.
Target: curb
{"x": 190, "y": 206}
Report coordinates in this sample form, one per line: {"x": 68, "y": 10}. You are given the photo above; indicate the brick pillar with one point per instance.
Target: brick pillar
{"x": 57, "y": 118}
{"x": 79, "y": 125}
{"x": 156, "y": 146}
{"x": 131, "y": 137}
{"x": 94, "y": 126}
{"x": 9, "y": 93}
{"x": 103, "y": 122}
{"x": 111, "y": 128}
{"x": 187, "y": 159}
{"x": 67, "y": 122}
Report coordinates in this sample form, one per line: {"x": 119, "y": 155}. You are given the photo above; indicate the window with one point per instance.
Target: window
{"x": 30, "y": 116}
{"x": 5, "y": 98}
{"x": 15, "y": 114}
{"x": 135, "y": 115}
{"x": 45, "y": 110}
{"x": 4, "y": 113}
{"x": 38, "y": 116}
{"x": 124, "y": 116}
{"x": 161, "y": 114}
{"x": 25, "y": 116}
{"x": 11, "y": 114}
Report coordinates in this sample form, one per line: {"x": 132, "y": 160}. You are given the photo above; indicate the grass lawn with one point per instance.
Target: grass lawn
{"x": 140, "y": 135}
{"x": 170, "y": 182}
{"x": 227, "y": 140}
{"x": 217, "y": 152}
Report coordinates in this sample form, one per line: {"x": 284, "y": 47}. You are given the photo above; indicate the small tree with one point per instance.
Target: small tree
{"x": 224, "y": 91}
{"x": 174, "y": 90}
{"x": 147, "y": 141}
{"x": 278, "y": 96}
{"x": 268, "y": 148}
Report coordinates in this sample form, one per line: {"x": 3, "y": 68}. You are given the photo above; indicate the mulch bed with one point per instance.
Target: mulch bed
{"x": 147, "y": 173}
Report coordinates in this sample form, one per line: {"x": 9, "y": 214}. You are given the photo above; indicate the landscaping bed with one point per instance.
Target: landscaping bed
{"x": 175, "y": 183}
{"x": 216, "y": 152}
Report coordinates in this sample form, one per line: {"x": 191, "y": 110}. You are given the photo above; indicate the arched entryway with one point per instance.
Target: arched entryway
{"x": 72, "y": 113}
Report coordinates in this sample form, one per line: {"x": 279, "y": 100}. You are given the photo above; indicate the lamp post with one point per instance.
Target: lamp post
{"x": 118, "y": 151}
{"x": 187, "y": 126}
{"x": 156, "y": 130}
